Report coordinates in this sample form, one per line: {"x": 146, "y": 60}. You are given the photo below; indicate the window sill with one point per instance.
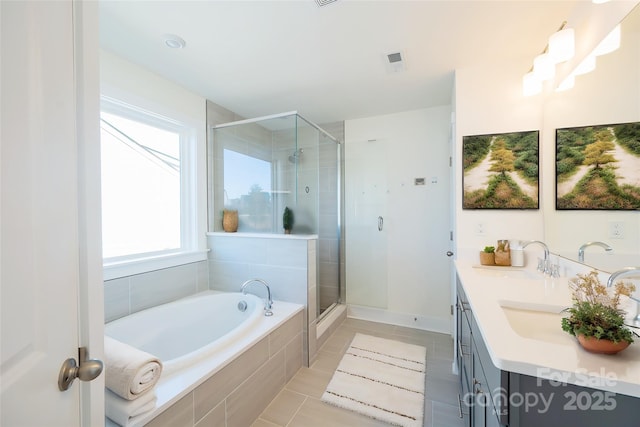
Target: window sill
{"x": 116, "y": 270}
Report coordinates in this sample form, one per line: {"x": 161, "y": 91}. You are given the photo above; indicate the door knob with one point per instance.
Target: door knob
{"x": 88, "y": 370}
{"x": 449, "y": 253}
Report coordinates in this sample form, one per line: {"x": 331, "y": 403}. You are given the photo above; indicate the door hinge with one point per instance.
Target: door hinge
{"x": 451, "y": 309}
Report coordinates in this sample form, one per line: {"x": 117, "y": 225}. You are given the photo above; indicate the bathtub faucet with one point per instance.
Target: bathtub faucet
{"x": 269, "y": 302}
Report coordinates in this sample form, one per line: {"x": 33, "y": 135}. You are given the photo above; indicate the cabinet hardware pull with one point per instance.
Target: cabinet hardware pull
{"x": 459, "y": 406}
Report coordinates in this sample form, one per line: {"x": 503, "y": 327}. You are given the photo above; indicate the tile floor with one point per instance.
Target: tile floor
{"x": 299, "y": 405}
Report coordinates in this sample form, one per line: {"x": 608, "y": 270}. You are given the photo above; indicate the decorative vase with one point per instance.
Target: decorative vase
{"x": 594, "y": 345}
{"x": 230, "y": 221}
{"x": 487, "y": 258}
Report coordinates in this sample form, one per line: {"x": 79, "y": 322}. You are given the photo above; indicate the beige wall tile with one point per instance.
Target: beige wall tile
{"x": 180, "y": 414}
{"x": 217, "y": 417}
{"x": 215, "y": 389}
{"x": 285, "y": 333}
{"x": 248, "y": 401}
{"x": 293, "y": 356}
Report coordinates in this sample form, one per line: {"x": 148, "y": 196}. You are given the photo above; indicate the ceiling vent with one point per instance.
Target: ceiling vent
{"x": 394, "y": 62}
{"x": 321, "y": 3}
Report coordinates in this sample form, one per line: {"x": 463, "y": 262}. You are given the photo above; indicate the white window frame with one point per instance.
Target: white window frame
{"x": 189, "y": 251}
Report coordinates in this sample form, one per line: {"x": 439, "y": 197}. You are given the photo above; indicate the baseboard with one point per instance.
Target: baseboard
{"x": 416, "y": 321}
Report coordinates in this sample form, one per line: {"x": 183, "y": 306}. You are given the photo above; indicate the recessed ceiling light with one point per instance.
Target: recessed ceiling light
{"x": 173, "y": 41}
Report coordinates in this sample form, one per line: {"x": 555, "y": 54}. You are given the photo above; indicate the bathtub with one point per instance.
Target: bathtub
{"x": 196, "y": 337}
{"x": 185, "y": 331}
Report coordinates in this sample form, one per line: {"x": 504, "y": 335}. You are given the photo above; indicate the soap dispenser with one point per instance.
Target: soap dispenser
{"x": 517, "y": 254}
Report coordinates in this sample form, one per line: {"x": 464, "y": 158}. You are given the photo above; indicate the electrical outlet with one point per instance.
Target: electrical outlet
{"x": 480, "y": 231}
{"x": 616, "y": 230}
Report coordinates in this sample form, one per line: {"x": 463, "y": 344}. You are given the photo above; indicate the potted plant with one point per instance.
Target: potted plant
{"x": 595, "y": 318}
{"x": 487, "y": 255}
{"x": 287, "y": 220}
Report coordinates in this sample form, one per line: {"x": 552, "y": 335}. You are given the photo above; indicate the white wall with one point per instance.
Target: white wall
{"x": 418, "y": 216}
{"x": 489, "y": 100}
{"x": 610, "y": 94}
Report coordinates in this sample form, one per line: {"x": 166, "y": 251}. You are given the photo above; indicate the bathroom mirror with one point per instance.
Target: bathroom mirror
{"x": 608, "y": 95}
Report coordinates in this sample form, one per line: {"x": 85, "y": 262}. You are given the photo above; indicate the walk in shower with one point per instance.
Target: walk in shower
{"x": 262, "y": 166}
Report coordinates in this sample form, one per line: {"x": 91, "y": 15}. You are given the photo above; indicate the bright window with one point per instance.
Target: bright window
{"x": 145, "y": 201}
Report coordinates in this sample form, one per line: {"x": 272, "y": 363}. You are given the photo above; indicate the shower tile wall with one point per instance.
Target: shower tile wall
{"x": 130, "y": 294}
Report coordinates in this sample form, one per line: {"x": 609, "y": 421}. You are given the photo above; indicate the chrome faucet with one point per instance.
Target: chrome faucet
{"x": 268, "y": 302}
{"x": 627, "y": 271}
{"x": 583, "y": 247}
{"x": 545, "y": 268}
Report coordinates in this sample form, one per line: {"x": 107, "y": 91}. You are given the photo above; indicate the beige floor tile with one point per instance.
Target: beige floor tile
{"x": 315, "y": 413}
{"x": 339, "y": 341}
{"x": 282, "y": 409}
{"x": 262, "y": 423}
{"x": 326, "y": 361}
{"x": 446, "y": 415}
{"x": 310, "y": 382}
{"x": 442, "y": 385}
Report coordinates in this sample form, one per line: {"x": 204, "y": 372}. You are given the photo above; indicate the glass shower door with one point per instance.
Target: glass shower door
{"x": 365, "y": 215}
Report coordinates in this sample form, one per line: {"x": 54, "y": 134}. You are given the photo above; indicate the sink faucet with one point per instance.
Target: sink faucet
{"x": 583, "y": 247}
{"x": 546, "y": 268}
{"x": 627, "y": 271}
{"x": 268, "y": 303}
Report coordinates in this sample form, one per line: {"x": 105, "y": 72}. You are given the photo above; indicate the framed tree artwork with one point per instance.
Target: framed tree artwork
{"x": 501, "y": 171}
{"x": 598, "y": 167}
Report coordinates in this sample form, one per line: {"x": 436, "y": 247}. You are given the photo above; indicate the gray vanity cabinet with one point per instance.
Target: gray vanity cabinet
{"x": 490, "y": 397}
{"x": 480, "y": 381}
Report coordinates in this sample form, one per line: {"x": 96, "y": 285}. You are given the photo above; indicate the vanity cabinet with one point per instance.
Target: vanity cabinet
{"x": 491, "y": 397}
{"x": 482, "y": 385}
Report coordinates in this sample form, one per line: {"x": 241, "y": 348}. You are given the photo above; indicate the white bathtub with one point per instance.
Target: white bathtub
{"x": 186, "y": 331}
{"x": 195, "y": 337}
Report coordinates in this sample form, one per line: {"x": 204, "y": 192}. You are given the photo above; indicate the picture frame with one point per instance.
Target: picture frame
{"x": 501, "y": 171}
{"x": 598, "y": 167}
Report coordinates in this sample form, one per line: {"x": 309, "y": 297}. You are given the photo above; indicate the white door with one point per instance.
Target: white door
{"x": 366, "y": 222}
{"x": 43, "y": 217}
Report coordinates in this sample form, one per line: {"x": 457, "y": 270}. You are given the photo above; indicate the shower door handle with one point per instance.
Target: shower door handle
{"x": 380, "y": 223}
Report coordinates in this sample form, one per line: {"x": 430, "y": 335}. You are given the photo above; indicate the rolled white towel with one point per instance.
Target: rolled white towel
{"x": 125, "y": 412}
{"x": 129, "y": 372}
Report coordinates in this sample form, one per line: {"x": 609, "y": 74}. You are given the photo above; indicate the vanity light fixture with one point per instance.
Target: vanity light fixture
{"x": 560, "y": 48}
{"x": 562, "y": 45}
{"x": 610, "y": 43}
{"x": 174, "y": 42}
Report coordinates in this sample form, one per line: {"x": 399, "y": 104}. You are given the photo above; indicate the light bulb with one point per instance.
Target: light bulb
{"x": 543, "y": 67}
{"x": 531, "y": 85}
{"x": 562, "y": 45}
{"x": 610, "y": 43}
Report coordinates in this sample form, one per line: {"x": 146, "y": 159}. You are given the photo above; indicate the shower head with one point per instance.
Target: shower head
{"x": 296, "y": 156}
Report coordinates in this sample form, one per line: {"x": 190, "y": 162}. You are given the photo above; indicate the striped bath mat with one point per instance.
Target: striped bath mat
{"x": 381, "y": 378}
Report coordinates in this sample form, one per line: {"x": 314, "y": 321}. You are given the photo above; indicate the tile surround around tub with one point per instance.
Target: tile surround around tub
{"x": 287, "y": 263}
{"x": 127, "y": 295}
{"x": 239, "y": 392}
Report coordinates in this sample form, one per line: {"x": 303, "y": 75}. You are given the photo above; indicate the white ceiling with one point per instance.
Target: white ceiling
{"x": 328, "y": 63}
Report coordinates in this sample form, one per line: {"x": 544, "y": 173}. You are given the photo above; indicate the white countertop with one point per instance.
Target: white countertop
{"x": 549, "y": 354}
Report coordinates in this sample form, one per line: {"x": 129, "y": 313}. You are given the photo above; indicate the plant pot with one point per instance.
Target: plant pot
{"x": 594, "y": 345}
{"x": 230, "y": 221}
{"x": 487, "y": 258}
{"x": 287, "y": 231}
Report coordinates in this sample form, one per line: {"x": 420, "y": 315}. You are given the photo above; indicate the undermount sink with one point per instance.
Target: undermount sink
{"x": 508, "y": 272}
{"x": 539, "y": 322}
